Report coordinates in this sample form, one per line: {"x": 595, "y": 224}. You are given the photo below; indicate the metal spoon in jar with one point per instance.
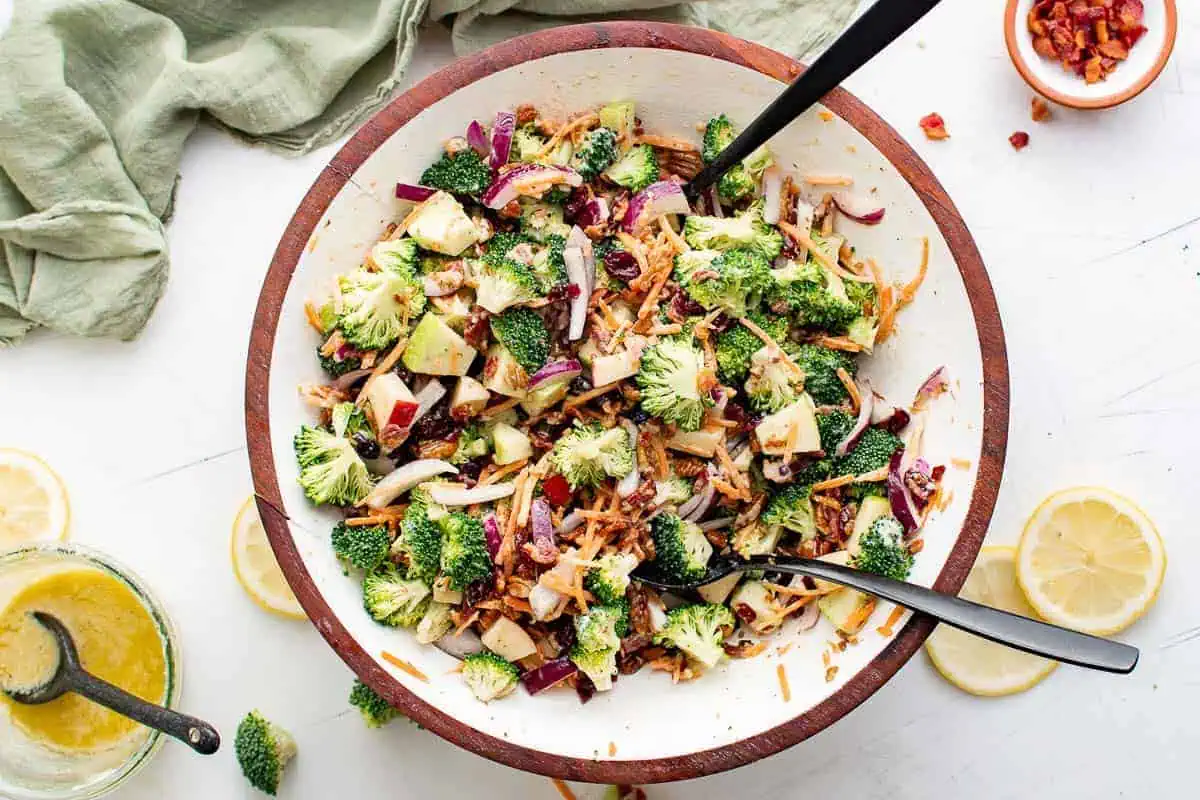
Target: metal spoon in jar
{"x": 1011, "y": 630}
{"x": 70, "y": 676}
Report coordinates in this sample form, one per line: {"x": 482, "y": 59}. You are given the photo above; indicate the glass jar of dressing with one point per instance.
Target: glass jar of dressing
{"x": 71, "y": 748}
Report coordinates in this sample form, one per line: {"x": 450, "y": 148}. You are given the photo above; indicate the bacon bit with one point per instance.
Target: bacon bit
{"x": 1019, "y": 140}
{"x": 784, "y": 689}
{"x": 916, "y": 546}
{"x": 851, "y": 388}
{"x": 826, "y": 116}
{"x": 827, "y": 501}
{"x": 401, "y": 664}
{"x": 504, "y": 472}
{"x": 1039, "y": 110}
{"x": 1087, "y": 38}
{"x": 828, "y": 180}
{"x": 934, "y": 127}
{"x": 313, "y": 317}
{"x": 831, "y": 673}
{"x": 563, "y": 789}
{"x": 886, "y": 628}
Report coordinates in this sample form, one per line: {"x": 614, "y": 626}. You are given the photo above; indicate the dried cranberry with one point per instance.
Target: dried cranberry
{"x": 621, "y": 265}
{"x": 584, "y": 687}
{"x": 576, "y": 203}
{"x": 684, "y": 306}
{"x": 573, "y": 290}
{"x": 556, "y": 490}
{"x": 436, "y": 424}
{"x": 473, "y": 468}
{"x": 477, "y": 592}
{"x": 722, "y": 323}
{"x": 403, "y": 374}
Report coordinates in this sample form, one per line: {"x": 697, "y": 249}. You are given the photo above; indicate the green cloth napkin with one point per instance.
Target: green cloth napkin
{"x": 97, "y": 98}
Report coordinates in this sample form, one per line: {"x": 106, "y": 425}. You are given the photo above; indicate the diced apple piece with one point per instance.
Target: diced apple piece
{"x": 717, "y": 591}
{"x": 790, "y": 430}
{"x": 384, "y": 394}
{"x": 840, "y": 557}
{"x": 701, "y": 443}
{"x": 508, "y": 640}
{"x": 606, "y": 369}
{"x": 503, "y": 375}
{"x": 510, "y": 444}
{"x": 543, "y": 397}
{"x": 848, "y": 609}
{"x": 470, "y": 397}
{"x": 869, "y": 510}
{"x": 435, "y": 349}
{"x": 440, "y": 224}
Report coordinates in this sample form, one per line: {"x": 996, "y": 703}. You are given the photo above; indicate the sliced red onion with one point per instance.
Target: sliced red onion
{"x": 350, "y": 378}
{"x": 543, "y": 532}
{"x": 855, "y": 210}
{"x": 888, "y": 416}
{"x": 406, "y": 477}
{"x": 577, "y": 238}
{"x": 553, "y": 672}
{"x": 808, "y": 617}
{"x": 714, "y": 202}
{"x": 478, "y": 139}
{"x": 417, "y": 194}
{"x": 595, "y": 212}
{"x": 455, "y": 494}
{"x": 697, "y": 505}
{"x": 434, "y": 288}
{"x": 903, "y": 506}
{"x": 629, "y": 484}
{"x": 491, "y": 533}
{"x": 505, "y": 188}
{"x": 860, "y": 424}
{"x": 502, "y": 134}
{"x": 934, "y": 386}
{"x": 556, "y": 372}
{"x": 571, "y": 522}
{"x": 460, "y": 645}
{"x": 664, "y": 197}
{"x": 427, "y": 397}
{"x": 717, "y": 524}
{"x": 772, "y": 185}
{"x": 576, "y": 273}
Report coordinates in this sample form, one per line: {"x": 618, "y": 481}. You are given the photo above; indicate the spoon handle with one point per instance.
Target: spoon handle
{"x": 195, "y": 733}
{"x": 1012, "y": 630}
{"x": 878, "y": 27}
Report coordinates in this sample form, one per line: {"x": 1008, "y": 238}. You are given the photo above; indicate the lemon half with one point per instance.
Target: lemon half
{"x": 33, "y": 501}
{"x": 255, "y": 566}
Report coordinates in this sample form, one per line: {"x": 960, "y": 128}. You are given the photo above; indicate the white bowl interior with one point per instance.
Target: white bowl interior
{"x": 645, "y": 716}
{"x": 1141, "y": 57}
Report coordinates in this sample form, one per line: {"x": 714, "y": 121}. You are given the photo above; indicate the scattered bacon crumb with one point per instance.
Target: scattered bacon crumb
{"x": 400, "y": 663}
{"x": 934, "y": 127}
{"x": 1039, "y": 110}
{"x": 826, "y": 116}
{"x": 1088, "y": 37}
{"x": 783, "y": 683}
{"x": 886, "y": 628}
{"x": 563, "y": 789}
{"x": 1019, "y": 140}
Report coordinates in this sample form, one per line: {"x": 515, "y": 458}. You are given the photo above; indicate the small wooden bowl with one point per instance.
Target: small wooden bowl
{"x": 1146, "y": 60}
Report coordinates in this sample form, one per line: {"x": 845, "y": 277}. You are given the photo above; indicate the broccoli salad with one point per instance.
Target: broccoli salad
{"x": 557, "y": 367}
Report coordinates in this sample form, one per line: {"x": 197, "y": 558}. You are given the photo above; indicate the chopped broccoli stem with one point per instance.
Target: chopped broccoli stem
{"x": 463, "y": 173}
{"x": 263, "y": 751}
{"x": 363, "y": 546}
{"x": 376, "y": 712}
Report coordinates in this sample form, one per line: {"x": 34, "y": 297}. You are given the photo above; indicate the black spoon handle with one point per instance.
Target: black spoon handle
{"x": 874, "y": 30}
{"x": 1012, "y": 630}
{"x": 195, "y": 733}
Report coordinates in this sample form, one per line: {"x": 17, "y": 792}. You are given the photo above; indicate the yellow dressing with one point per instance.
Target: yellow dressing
{"x": 117, "y": 640}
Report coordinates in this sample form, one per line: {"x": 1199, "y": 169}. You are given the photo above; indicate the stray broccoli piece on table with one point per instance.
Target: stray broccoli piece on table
{"x": 681, "y": 549}
{"x": 587, "y": 454}
{"x": 669, "y": 380}
{"x": 733, "y": 280}
{"x": 596, "y": 154}
{"x": 465, "y": 172}
{"x": 736, "y": 346}
{"x": 376, "y": 711}
{"x": 330, "y": 469}
{"x": 489, "y": 676}
{"x": 465, "y": 557}
{"x": 541, "y": 219}
{"x": 524, "y": 334}
{"x": 873, "y": 451}
{"x": 375, "y": 305}
{"x": 833, "y": 428}
{"x": 745, "y": 231}
{"x": 392, "y": 599}
{"x": 635, "y": 170}
{"x": 698, "y": 630}
{"x": 608, "y": 578}
{"x": 263, "y": 750}
{"x": 420, "y": 540}
{"x": 362, "y": 546}
{"x": 505, "y": 284}
{"x": 883, "y": 551}
{"x": 791, "y": 508}
{"x": 820, "y": 365}
{"x": 471, "y": 444}
{"x": 773, "y": 383}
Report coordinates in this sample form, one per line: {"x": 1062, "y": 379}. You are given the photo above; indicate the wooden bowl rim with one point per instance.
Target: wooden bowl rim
{"x": 1029, "y": 73}
{"x": 438, "y": 86}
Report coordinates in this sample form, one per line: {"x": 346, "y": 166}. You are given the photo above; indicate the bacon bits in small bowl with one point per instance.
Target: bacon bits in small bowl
{"x": 1090, "y": 53}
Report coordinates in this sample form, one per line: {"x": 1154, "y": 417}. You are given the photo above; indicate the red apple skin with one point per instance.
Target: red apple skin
{"x": 402, "y": 414}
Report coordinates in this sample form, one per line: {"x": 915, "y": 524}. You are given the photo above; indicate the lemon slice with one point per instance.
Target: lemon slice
{"x": 976, "y": 665}
{"x": 33, "y": 501}
{"x": 1089, "y": 559}
{"x": 255, "y": 566}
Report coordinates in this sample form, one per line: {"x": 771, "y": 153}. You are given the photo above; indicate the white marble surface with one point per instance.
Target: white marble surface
{"x": 1087, "y": 234}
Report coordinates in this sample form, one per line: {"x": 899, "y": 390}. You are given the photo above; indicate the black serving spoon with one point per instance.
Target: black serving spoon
{"x": 70, "y": 676}
{"x": 881, "y": 25}
{"x": 1012, "y": 630}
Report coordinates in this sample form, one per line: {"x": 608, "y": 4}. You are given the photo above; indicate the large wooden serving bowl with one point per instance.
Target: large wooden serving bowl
{"x": 679, "y": 77}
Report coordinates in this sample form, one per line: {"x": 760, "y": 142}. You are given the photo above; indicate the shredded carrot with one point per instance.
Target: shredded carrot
{"x": 783, "y": 683}
{"x": 499, "y": 408}
{"x": 665, "y": 330}
{"x": 886, "y": 628}
{"x": 908, "y": 292}
{"x": 802, "y": 238}
{"x": 579, "y": 122}
{"x": 668, "y": 143}
{"x": 832, "y": 483}
{"x": 674, "y": 238}
{"x": 828, "y": 180}
{"x": 563, "y": 789}
{"x": 612, "y": 749}
{"x": 400, "y": 663}
{"x": 840, "y": 343}
{"x": 663, "y": 466}
{"x": 960, "y": 463}
{"x": 591, "y": 394}
{"x": 601, "y": 515}
{"x": 739, "y": 478}
{"x": 504, "y": 472}
{"x": 314, "y": 319}
{"x": 362, "y": 522}
{"x": 610, "y": 321}
{"x": 851, "y": 388}
{"x": 771, "y": 343}
{"x": 830, "y": 674}
{"x": 518, "y": 604}
{"x": 466, "y": 623}
{"x": 729, "y": 490}
{"x": 651, "y": 301}
{"x": 860, "y": 615}
{"x": 875, "y": 475}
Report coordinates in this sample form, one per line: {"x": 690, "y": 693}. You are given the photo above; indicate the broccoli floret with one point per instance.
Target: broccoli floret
{"x": 863, "y": 295}
{"x": 436, "y": 622}
{"x": 596, "y": 154}
{"x": 602, "y": 626}
{"x": 882, "y": 550}
{"x": 393, "y": 599}
{"x": 489, "y": 676}
{"x": 376, "y": 711}
{"x": 428, "y": 262}
{"x": 586, "y": 454}
{"x": 524, "y": 334}
{"x": 833, "y": 428}
{"x": 698, "y": 630}
{"x": 337, "y": 365}
{"x": 817, "y": 307}
{"x": 363, "y": 546}
{"x": 681, "y": 550}
{"x": 791, "y": 508}
{"x": 263, "y": 750}
{"x": 526, "y": 144}
{"x": 462, "y": 173}
{"x": 772, "y": 383}
{"x": 635, "y": 170}
{"x": 739, "y": 181}
{"x": 375, "y": 305}
{"x": 330, "y": 469}
{"x": 541, "y": 219}
{"x": 672, "y": 491}
{"x": 608, "y": 578}
{"x": 820, "y": 365}
{"x": 873, "y": 451}
{"x": 733, "y": 281}
{"x": 756, "y": 539}
{"x": 471, "y": 444}
{"x": 669, "y": 380}
{"x": 745, "y": 231}
{"x": 465, "y": 557}
{"x": 548, "y": 265}
{"x": 505, "y": 284}
{"x": 736, "y": 346}
{"x": 814, "y": 471}
{"x": 859, "y": 491}
{"x": 598, "y": 665}
{"x": 718, "y": 134}
{"x": 500, "y": 247}
{"x": 420, "y": 540}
